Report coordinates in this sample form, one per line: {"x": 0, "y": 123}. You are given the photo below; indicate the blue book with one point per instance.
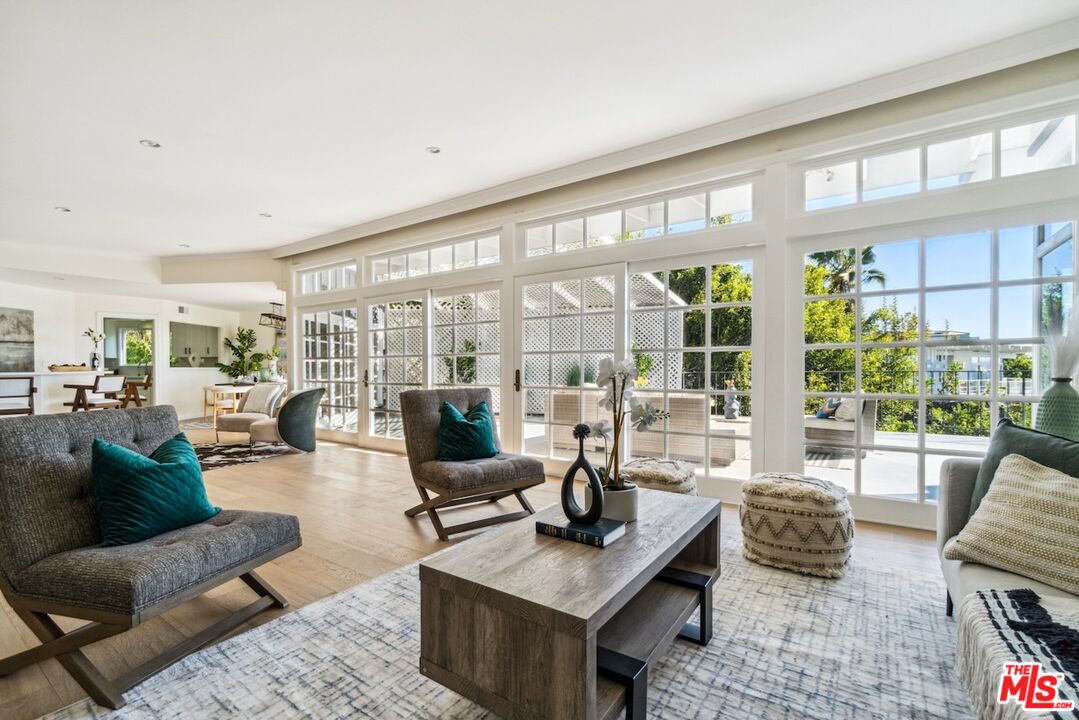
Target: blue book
{"x": 601, "y": 534}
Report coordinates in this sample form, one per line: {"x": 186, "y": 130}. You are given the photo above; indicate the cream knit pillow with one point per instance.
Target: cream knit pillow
{"x": 1028, "y": 523}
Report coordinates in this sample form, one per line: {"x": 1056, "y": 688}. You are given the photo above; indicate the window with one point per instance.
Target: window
{"x": 467, "y": 342}
{"x": 904, "y": 368}
{"x": 341, "y": 277}
{"x": 456, "y": 255}
{"x": 330, "y": 362}
{"x": 396, "y": 351}
{"x": 691, "y": 329}
{"x": 1027, "y": 148}
{"x": 679, "y": 213}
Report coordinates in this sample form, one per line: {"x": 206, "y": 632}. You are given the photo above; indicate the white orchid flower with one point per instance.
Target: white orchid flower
{"x": 605, "y": 373}
{"x": 602, "y": 428}
{"x": 645, "y": 414}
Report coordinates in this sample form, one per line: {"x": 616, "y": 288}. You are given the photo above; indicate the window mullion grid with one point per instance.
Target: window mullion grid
{"x": 858, "y": 394}
{"x": 922, "y": 404}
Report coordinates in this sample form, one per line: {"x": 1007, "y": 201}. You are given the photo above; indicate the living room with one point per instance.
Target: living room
{"x": 328, "y": 346}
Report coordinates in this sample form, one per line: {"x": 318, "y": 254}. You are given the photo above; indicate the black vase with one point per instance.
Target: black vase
{"x": 95, "y": 362}
{"x": 573, "y": 511}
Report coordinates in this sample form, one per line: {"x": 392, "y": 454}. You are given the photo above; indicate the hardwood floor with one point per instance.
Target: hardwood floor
{"x": 351, "y": 504}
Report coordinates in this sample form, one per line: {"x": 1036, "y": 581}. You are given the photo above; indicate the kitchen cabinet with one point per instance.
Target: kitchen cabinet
{"x": 187, "y": 340}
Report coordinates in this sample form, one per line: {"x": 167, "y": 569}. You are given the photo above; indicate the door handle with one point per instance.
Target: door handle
{"x": 366, "y": 378}
{"x": 517, "y": 380}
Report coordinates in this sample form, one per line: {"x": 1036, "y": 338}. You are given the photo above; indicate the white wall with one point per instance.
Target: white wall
{"x": 61, "y": 317}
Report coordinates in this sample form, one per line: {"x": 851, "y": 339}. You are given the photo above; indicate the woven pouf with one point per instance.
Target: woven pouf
{"x": 797, "y": 523}
{"x": 659, "y": 474}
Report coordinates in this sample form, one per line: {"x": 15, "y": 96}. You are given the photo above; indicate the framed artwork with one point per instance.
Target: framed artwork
{"x": 16, "y": 340}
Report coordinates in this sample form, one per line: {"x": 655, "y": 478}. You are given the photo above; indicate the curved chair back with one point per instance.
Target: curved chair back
{"x": 262, "y": 398}
{"x": 297, "y": 418}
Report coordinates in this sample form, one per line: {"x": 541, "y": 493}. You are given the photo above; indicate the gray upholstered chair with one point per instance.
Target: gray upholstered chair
{"x": 294, "y": 424}
{"x": 257, "y": 404}
{"x": 460, "y": 483}
{"x": 51, "y": 561}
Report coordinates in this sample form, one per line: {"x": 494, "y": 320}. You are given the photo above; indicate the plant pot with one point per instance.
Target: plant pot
{"x": 617, "y": 504}
{"x": 1058, "y": 410}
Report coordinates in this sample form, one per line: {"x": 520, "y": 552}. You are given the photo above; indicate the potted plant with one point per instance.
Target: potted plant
{"x": 618, "y": 380}
{"x": 95, "y": 338}
{"x": 245, "y": 363}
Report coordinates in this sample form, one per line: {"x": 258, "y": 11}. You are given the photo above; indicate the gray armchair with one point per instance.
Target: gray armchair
{"x": 460, "y": 483}
{"x": 51, "y": 561}
{"x": 295, "y": 422}
{"x": 258, "y": 403}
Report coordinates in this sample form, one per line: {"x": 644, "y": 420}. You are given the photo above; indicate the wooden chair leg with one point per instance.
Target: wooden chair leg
{"x": 254, "y": 581}
{"x": 96, "y": 685}
{"x": 83, "y": 636}
{"x": 524, "y": 502}
{"x": 423, "y": 506}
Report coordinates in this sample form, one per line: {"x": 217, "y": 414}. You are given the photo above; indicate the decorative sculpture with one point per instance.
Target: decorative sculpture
{"x": 573, "y": 511}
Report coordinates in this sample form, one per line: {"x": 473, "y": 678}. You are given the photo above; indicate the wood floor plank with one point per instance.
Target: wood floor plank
{"x": 351, "y": 504}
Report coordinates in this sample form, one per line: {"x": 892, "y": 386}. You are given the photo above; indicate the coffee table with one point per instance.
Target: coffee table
{"x": 531, "y": 626}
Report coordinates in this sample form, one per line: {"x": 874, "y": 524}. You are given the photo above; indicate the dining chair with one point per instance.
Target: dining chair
{"x": 17, "y": 395}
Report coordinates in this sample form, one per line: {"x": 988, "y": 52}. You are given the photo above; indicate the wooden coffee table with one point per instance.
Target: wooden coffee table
{"x": 531, "y": 626}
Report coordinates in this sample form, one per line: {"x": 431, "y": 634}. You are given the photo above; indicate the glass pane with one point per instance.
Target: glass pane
{"x": 566, "y": 297}
{"x": 729, "y": 453}
{"x": 537, "y": 299}
{"x": 644, "y": 221}
{"x": 957, "y": 315}
{"x": 1036, "y": 251}
{"x": 604, "y": 229}
{"x": 831, "y": 272}
{"x": 895, "y": 422}
{"x": 646, "y": 330}
{"x": 731, "y": 371}
{"x": 646, "y": 290}
{"x": 731, "y": 205}
{"x": 890, "y": 371}
{"x": 487, "y": 250}
{"x": 685, "y": 328}
{"x": 732, "y": 326}
{"x": 831, "y": 186}
{"x": 686, "y": 371}
{"x": 890, "y": 474}
{"x": 962, "y": 161}
{"x": 1021, "y": 413}
{"x": 835, "y": 464}
{"x": 380, "y": 270}
{"x": 957, "y": 259}
{"x": 535, "y": 439}
{"x": 464, "y": 254}
{"x": 685, "y": 214}
{"x": 538, "y": 241}
{"x": 829, "y": 322}
{"x": 569, "y": 235}
{"x": 1037, "y": 146}
{"x": 1019, "y": 311}
{"x": 958, "y": 370}
{"x": 890, "y": 175}
{"x": 398, "y": 267}
{"x": 442, "y": 259}
{"x": 417, "y": 263}
{"x": 890, "y": 318}
{"x": 686, "y": 286}
{"x": 732, "y": 282}
{"x": 829, "y": 370}
{"x": 1016, "y": 371}
{"x": 957, "y": 425}
{"x": 1056, "y": 306}
{"x": 892, "y": 266}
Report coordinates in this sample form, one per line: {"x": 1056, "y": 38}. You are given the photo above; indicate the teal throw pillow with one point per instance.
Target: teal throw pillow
{"x": 1051, "y": 451}
{"x": 828, "y": 409}
{"x": 466, "y": 437}
{"x": 140, "y": 497}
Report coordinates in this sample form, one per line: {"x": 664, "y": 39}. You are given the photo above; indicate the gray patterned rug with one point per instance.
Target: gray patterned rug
{"x": 875, "y": 644}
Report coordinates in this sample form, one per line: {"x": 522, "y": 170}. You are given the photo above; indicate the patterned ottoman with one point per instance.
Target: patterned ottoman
{"x": 659, "y": 474}
{"x": 797, "y": 523}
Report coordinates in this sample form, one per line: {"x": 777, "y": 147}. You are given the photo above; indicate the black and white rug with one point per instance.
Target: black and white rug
{"x": 874, "y": 644}
{"x": 218, "y": 455}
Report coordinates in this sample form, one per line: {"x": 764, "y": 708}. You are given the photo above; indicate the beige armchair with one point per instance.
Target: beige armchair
{"x": 257, "y": 404}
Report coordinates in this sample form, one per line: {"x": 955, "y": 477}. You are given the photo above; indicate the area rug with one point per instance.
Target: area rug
{"x": 218, "y": 455}
{"x": 875, "y": 644}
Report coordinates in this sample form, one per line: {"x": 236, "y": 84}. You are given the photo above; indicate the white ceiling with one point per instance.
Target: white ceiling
{"x": 319, "y": 112}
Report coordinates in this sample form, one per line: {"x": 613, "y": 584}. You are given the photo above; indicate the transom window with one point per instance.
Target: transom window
{"x": 327, "y": 279}
{"x": 1026, "y": 148}
{"x": 679, "y": 212}
{"x": 459, "y": 254}
{"x": 904, "y": 367}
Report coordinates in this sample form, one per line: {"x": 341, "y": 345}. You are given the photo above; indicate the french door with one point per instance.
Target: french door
{"x": 396, "y": 351}
{"x": 568, "y": 322}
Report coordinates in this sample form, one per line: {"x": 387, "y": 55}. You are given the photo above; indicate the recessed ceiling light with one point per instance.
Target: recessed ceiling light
{"x": 266, "y": 215}
{"x": 184, "y": 245}
{"x": 61, "y": 208}
{"x": 434, "y": 149}
{"x": 149, "y": 143}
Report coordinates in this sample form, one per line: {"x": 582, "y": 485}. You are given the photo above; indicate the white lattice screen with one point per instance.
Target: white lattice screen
{"x": 467, "y": 337}
{"x": 396, "y": 349}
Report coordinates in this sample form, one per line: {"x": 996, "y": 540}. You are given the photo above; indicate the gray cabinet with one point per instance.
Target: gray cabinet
{"x": 187, "y": 341}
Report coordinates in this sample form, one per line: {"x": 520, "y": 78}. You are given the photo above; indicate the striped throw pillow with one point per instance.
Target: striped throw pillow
{"x": 1028, "y": 523}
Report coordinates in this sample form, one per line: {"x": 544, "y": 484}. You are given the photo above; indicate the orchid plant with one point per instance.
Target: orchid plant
{"x": 618, "y": 379}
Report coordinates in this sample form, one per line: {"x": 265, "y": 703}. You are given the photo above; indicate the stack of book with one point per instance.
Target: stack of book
{"x": 601, "y": 534}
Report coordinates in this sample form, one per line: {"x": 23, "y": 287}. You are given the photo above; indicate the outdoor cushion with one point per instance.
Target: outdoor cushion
{"x": 239, "y": 422}
{"x": 128, "y": 578}
{"x": 503, "y": 468}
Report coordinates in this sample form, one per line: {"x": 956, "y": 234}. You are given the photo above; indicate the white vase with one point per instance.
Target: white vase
{"x": 617, "y": 504}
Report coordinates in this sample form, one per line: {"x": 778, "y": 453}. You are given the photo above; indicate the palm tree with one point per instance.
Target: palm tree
{"x": 841, "y": 268}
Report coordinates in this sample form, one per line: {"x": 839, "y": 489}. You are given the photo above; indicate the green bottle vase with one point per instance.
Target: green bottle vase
{"x": 1058, "y": 410}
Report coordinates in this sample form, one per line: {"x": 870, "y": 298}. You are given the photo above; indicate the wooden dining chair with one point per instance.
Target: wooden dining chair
{"x": 17, "y": 395}
{"x": 99, "y": 396}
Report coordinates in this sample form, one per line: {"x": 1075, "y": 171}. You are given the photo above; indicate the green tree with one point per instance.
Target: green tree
{"x": 840, "y": 267}
{"x": 139, "y": 347}
{"x": 1020, "y": 366}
